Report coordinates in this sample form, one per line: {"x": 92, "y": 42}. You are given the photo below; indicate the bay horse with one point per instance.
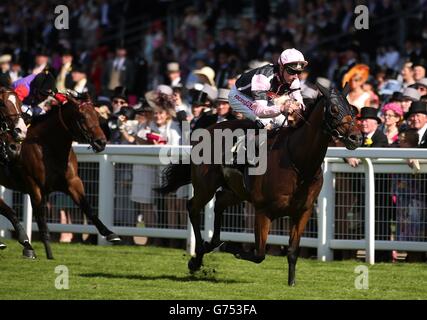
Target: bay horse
{"x": 47, "y": 163}
{"x": 12, "y": 128}
{"x": 289, "y": 187}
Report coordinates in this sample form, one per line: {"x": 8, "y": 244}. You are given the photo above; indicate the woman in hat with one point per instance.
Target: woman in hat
{"x": 357, "y": 77}
{"x": 393, "y": 116}
{"x": 256, "y": 90}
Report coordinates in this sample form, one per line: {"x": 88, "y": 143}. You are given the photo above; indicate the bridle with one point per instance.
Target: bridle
{"x": 7, "y": 119}
{"x": 332, "y": 122}
{"x": 80, "y": 126}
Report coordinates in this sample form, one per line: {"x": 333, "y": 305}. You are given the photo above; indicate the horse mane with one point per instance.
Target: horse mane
{"x": 43, "y": 117}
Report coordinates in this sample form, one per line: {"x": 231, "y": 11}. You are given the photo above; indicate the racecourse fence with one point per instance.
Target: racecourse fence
{"x": 379, "y": 205}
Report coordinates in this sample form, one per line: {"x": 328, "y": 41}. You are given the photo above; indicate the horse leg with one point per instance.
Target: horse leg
{"x": 194, "y": 206}
{"x": 77, "y": 193}
{"x": 43, "y": 230}
{"x": 6, "y": 211}
{"x": 297, "y": 229}
{"x": 223, "y": 199}
{"x": 262, "y": 227}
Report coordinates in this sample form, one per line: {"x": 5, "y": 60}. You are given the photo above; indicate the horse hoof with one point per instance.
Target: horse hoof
{"x": 194, "y": 265}
{"x": 291, "y": 283}
{"x": 50, "y": 258}
{"x": 29, "y": 254}
{"x": 2, "y": 246}
{"x": 113, "y": 238}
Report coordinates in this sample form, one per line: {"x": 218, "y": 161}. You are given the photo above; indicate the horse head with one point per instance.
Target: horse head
{"x": 85, "y": 128}
{"x": 11, "y": 120}
{"x": 340, "y": 117}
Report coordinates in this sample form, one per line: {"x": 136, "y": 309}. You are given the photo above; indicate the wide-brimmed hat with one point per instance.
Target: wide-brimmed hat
{"x": 411, "y": 94}
{"x": 223, "y": 95}
{"x": 359, "y": 69}
{"x": 392, "y": 106}
{"x": 416, "y": 107}
{"x": 369, "y": 113}
{"x": 208, "y": 72}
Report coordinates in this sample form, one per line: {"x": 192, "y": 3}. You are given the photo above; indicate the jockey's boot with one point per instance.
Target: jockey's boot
{"x": 240, "y": 147}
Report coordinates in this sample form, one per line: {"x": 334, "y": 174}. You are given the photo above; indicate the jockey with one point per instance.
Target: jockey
{"x": 37, "y": 92}
{"x": 264, "y": 93}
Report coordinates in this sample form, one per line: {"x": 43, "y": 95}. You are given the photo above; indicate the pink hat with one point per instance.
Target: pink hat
{"x": 396, "y": 108}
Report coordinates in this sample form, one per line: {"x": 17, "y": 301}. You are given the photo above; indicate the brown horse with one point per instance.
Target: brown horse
{"x": 289, "y": 187}
{"x": 48, "y": 163}
{"x": 11, "y": 120}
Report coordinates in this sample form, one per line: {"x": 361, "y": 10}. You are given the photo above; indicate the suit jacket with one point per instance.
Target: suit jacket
{"x": 126, "y": 74}
{"x": 423, "y": 143}
{"x": 379, "y": 140}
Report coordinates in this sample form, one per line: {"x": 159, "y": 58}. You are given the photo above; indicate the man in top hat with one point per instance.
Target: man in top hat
{"x": 81, "y": 82}
{"x": 419, "y": 69}
{"x": 42, "y": 62}
{"x": 417, "y": 118}
{"x": 174, "y": 74}
{"x": 64, "y": 79}
{"x": 119, "y": 99}
{"x": 372, "y": 136}
{"x": 201, "y": 100}
{"x": 223, "y": 111}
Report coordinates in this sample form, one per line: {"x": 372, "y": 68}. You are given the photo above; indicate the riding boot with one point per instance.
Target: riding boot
{"x": 241, "y": 146}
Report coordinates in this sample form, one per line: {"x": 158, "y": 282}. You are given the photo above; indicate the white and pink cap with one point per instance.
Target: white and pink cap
{"x": 294, "y": 57}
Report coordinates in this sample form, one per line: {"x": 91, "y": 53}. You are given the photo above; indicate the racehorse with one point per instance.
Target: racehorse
{"x": 289, "y": 187}
{"x": 47, "y": 163}
{"x": 12, "y": 128}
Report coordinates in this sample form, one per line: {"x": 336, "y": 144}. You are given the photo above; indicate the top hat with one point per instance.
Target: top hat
{"x": 120, "y": 92}
{"x": 416, "y": 107}
{"x": 369, "y": 113}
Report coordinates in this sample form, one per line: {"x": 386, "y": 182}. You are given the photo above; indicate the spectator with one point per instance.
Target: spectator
{"x": 174, "y": 74}
{"x": 119, "y": 101}
{"x": 81, "y": 82}
{"x": 421, "y": 86}
{"x": 64, "y": 79}
{"x": 356, "y": 77}
{"x": 419, "y": 70}
{"x": 393, "y": 116}
{"x": 118, "y": 71}
{"x": 223, "y": 111}
{"x": 409, "y": 95}
{"x": 417, "y": 116}
{"x": 42, "y": 62}
{"x": 407, "y": 73}
{"x": 200, "y": 101}
{"x": 206, "y": 75}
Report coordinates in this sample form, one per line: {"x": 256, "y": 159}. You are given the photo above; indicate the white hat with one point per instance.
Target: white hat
{"x": 208, "y": 73}
{"x": 6, "y": 58}
{"x": 173, "y": 67}
{"x": 212, "y": 92}
{"x": 165, "y": 89}
{"x": 293, "y": 56}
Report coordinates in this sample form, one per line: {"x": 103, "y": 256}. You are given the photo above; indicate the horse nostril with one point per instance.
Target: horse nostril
{"x": 13, "y": 147}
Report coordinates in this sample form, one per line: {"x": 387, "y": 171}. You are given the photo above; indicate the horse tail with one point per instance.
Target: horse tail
{"x": 173, "y": 177}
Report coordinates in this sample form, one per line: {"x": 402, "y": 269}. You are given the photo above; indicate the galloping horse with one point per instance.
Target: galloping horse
{"x": 48, "y": 163}
{"x": 12, "y": 128}
{"x": 289, "y": 187}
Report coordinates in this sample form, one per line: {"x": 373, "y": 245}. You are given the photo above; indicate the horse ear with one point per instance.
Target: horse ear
{"x": 346, "y": 89}
{"x": 323, "y": 90}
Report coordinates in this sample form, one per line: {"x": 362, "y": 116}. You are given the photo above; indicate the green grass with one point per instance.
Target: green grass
{"x": 135, "y": 272}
